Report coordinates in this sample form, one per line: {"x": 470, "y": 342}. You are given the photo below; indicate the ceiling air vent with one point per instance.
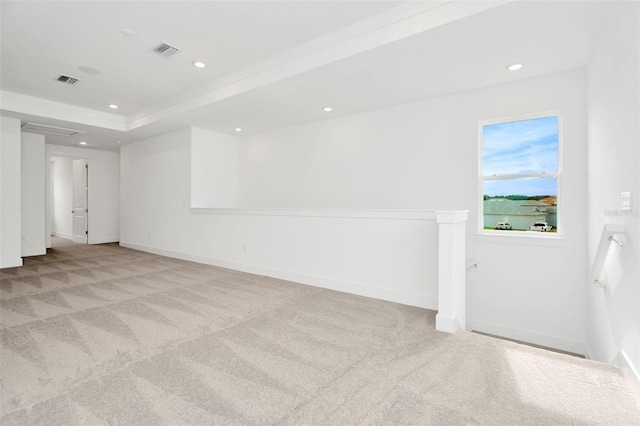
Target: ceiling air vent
{"x": 166, "y": 50}
{"x": 44, "y": 128}
{"x": 67, "y": 79}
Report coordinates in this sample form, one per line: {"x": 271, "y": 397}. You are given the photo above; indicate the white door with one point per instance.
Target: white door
{"x": 80, "y": 211}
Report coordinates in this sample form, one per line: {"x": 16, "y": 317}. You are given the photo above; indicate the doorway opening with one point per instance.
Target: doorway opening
{"x": 69, "y": 198}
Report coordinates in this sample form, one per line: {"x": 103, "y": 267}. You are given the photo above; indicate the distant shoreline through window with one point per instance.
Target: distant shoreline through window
{"x": 520, "y": 175}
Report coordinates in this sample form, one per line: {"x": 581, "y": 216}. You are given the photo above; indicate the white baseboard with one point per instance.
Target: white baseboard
{"x": 92, "y": 240}
{"x": 630, "y": 373}
{"x": 103, "y": 240}
{"x": 33, "y": 251}
{"x": 587, "y": 352}
{"x": 447, "y": 324}
{"x": 547, "y": 340}
{"x": 391, "y": 295}
{"x": 10, "y": 262}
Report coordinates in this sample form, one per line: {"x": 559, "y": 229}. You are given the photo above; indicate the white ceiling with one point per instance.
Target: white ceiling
{"x": 269, "y": 64}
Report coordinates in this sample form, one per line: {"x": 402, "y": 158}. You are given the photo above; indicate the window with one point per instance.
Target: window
{"x": 520, "y": 175}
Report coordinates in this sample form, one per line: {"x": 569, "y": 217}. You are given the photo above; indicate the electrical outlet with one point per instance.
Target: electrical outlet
{"x": 625, "y": 201}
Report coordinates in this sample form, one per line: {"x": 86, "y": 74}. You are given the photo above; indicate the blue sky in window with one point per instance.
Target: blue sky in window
{"x": 526, "y": 146}
{"x": 524, "y": 186}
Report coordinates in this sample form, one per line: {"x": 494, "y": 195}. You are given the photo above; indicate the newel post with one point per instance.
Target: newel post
{"x": 451, "y": 270}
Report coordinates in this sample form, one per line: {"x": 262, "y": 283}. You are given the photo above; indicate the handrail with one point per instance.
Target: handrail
{"x": 607, "y": 237}
{"x": 471, "y": 262}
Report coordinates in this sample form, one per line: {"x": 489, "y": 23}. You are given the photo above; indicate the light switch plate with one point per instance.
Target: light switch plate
{"x": 625, "y": 201}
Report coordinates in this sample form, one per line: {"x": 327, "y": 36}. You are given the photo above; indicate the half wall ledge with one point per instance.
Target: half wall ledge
{"x": 449, "y": 267}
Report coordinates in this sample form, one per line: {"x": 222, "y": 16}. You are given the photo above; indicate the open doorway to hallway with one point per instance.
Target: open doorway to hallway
{"x": 102, "y": 195}
{"x": 69, "y": 197}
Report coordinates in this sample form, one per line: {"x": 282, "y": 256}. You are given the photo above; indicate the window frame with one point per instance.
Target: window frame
{"x": 489, "y": 234}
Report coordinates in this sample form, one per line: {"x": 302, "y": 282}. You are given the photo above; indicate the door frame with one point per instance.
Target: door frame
{"x": 49, "y": 191}
{"x": 80, "y": 201}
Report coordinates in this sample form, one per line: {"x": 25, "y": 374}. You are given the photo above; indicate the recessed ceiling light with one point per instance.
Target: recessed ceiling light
{"x": 113, "y": 106}
{"x": 327, "y": 109}
{"x": 127, "y": 32}
{"x": 82, "y": 143}
{"x": 238, "y": 129}
{"x": 199, "y": 64}
{"x": 118, "y": 142}
{"x": 514, "y": 67}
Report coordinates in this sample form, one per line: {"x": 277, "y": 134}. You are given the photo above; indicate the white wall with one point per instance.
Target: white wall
{"x": 214, "y": 169}
{"x": 390, "y": 255}
{"x": 420, "y": 156}
{"x": 33, "y": 194}
{"x": 425, "y": 156}
{"x": 104, "y": 191}
{"x": 613, "y": 317}
{"x": 155, "y": 188}
{"x": 10, "y": 196}
{"x": 62, "y": 196}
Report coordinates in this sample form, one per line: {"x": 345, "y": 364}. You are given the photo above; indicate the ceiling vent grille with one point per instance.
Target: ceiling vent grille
{"x": 166, "y": 50}
{"x": 44, "y": 128}
{"x": 68, "y": 80}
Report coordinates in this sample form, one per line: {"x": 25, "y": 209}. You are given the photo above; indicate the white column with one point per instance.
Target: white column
{"x": 10, "y": 197}
{"x": 32, "y": 181}
{"x": 451, "y": 270}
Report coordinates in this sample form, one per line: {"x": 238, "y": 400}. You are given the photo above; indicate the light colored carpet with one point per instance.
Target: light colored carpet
{"x": 107, "y": 335}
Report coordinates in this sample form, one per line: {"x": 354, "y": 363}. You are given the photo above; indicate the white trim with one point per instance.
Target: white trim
{"x": 587, "y": 352}
{"x": 520, "y": 117}
{"x": 543, "y": 175}
{"x": 33, "y": 251}
{"x": 404, "y": 20}
{"x": 10, "y": 263}
{"x": 103, "y": 240}
{"x": 16, "y": 102}
{"x": 361, "y": 289}
{"x": 447, "y": 324}
{"x": 452, "y": 216}
{"x": 630, "y": 373}
{"x": 557, "y": 175}
{"x": 63, "y": 235}
{"x": 547, "y": 340}
{"x": 525, "y": 238}
{"x": 346, "y": 214}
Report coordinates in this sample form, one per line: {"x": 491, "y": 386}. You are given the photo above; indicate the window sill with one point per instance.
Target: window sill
{"x": 525, "y": 238}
